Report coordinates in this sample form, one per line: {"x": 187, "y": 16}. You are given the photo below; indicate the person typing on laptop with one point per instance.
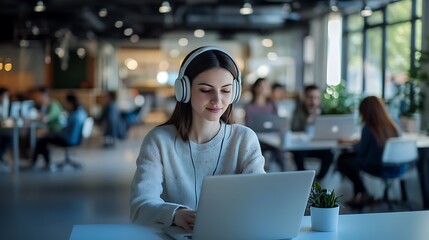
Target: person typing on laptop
{"x": 261, "y": 104}
{"x": 198, "y": 140}
{"x": 367, "y": 152}
{"x": 302, "y": 121}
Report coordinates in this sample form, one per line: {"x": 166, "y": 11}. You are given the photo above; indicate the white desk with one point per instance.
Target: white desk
{"x": 377, "y": 226}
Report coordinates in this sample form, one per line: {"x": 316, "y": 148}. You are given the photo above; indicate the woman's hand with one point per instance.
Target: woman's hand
{"x": 185, "y": 218}
{"x": 348, "y": 141}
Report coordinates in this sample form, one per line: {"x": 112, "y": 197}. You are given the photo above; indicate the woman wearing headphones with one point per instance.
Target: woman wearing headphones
{"x": 198, "y": 140}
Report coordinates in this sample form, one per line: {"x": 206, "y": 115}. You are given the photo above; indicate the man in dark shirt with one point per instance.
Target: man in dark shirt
{"x": 303, "y": 121}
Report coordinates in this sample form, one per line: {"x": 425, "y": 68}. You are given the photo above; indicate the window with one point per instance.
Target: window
{"x": 399, "y": 11}
{"x": 419, "y": 8}
{"x": 375, "y": 18}
{"x": 373, "y": 63}
{"x": 355, "y": 22}
{"x": 419, "y": 28}
{"x": 354, "y": 69}
{"x": 389, "y": 51}
{"x": 397, "y": 57}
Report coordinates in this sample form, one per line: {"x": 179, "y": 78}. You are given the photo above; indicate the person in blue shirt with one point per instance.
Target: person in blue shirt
{"x": 70, "y": 135}
{"x": 366, "y": 154}
{"x": 5, "y": 140}
{"x": 110, "y": 119}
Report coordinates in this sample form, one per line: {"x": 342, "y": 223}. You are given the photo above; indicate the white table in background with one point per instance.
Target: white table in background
{"x": 375, "y": 226}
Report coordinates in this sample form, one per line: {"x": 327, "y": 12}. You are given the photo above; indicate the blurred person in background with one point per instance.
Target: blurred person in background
{"x": 50, "y": 110}
{"x": 5, "y": 140}
{"x": 112, "y": 123}
{"x": 261, "y": 104}
{"x": 278, "y": 92}
{"x": 366, "y": 154}
{"x": 67, "y": 136}
{"x": 303, "y": 119}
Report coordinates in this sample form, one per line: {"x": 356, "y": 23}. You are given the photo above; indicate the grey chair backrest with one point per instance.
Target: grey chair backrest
{"x": 400, "y": 150}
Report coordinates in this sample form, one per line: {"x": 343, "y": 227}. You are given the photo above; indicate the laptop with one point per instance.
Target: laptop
{"x": 250, "y": 206}
{"x": 267, "y": 123}
{"x": 334, "y": 127}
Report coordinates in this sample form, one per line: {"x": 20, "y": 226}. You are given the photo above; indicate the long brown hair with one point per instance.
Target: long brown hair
{"x": 376, "y": 117}
{"x": 182, "y": 114}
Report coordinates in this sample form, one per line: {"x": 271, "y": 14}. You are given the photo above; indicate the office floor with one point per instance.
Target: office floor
{"x": 46, "y": 205}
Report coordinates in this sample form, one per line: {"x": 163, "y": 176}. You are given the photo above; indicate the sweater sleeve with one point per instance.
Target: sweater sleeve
{"x": 146, "y": 204}
{"x": 251, "y": 156}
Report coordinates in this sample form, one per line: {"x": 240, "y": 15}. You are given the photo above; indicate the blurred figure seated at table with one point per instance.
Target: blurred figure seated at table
{"x": 261, "y": 104}
{"x": 5, "y": 141}
{"x": 4, "y": 103}
{"x": 278, "y": 92}
{"x": 285, "y": 105}
{"x": 366, "y": 154}
{"x": 302, "y": 121}
{"x": 50, "y": 110}
{"x": 69, "y": 135}
{"x": 112, "y": 124}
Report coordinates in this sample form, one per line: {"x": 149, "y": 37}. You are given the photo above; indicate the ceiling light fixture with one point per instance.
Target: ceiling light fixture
{"x": 102, "y": 12}
{"x": 199, "y": 33}
{"x": 40, "y": 7}
{"x": 134, "y": 38}
{"x": 165, "y": 7}
{"x": 366, "y": 11}
{"x": 128, "y": 32}
{"x": 267, "y": 42}
{"x": 119, "y": 24}
{"x": 246, "y": 9}
{"x": 334, "y": 6}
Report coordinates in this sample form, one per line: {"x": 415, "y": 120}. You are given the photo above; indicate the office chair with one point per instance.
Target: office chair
{"x": 398, "y": 157}
{"x": 86, "y": 133}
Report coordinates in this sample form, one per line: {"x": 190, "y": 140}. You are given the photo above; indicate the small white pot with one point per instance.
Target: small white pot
{"x": 324, "y": 219}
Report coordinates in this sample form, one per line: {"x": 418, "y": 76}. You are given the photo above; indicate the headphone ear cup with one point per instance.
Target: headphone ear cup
{"x": 182, "y": 89}
{"x": 236, "y": 88}
{"x": 178, "y": 89}
{"x": 186, "y": 89}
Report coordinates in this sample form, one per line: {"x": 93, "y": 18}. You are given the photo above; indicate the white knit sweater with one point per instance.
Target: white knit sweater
{"x": 164, "y": 179}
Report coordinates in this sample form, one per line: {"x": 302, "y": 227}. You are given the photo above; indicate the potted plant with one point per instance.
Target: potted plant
{"x": 324, "y": 208}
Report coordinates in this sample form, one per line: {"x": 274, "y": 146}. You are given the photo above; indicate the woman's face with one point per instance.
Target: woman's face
{"x": 211, "y": 94}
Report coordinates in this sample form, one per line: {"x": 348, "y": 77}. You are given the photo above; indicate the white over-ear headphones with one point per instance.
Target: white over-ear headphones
{"x": 182, "y": 85}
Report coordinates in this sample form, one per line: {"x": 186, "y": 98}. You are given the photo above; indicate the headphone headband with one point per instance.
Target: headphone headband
{"x": 182, "y": 86}
{"x": 206, "y": 49}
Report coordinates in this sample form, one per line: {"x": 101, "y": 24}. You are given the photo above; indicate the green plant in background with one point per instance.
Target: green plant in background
{"x": 416, "y": 72}
{"x": 409, "y": 97}
{"x": 322, "y": 198}
{"x": 336, "y": 100}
